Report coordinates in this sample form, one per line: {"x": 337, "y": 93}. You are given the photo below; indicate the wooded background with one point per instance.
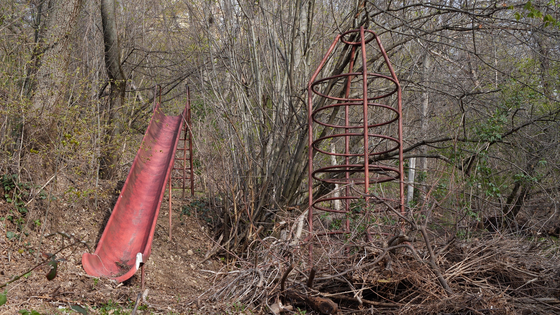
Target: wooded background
{"x": 479, "y": 80}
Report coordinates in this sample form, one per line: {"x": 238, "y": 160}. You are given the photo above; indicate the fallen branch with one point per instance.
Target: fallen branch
{"x": 283, "y": 281}
{"x": 368, "y": 302}
{"x": 321, "y": 305}
{"x": 547, "y": 300}
{"x": 432, "y": 261}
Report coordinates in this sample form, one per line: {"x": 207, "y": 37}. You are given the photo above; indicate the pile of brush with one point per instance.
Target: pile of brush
{"x": 491, "y": 275}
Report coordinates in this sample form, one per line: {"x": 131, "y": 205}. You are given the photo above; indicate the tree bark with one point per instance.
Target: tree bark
{"x": 117, "y": 86}
{"x": 52, "y": 62}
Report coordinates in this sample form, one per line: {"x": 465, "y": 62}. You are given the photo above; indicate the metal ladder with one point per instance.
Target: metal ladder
{"x": 182, "y": 176}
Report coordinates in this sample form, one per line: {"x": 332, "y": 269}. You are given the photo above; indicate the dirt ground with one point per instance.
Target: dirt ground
{"x": 490, "y": 274}
{"x": 174, "y": 280}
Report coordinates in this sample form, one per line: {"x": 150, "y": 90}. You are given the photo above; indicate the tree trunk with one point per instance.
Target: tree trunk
{"x": 117, "y": 86}
{"x": 422, "y": 166}
{"x": 52, "y": 73}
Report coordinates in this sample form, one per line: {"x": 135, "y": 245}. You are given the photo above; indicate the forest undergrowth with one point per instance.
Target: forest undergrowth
{"x": 425, "y": 269}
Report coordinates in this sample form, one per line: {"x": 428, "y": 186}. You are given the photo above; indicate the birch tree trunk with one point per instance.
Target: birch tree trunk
{"x": 424, "y": 121}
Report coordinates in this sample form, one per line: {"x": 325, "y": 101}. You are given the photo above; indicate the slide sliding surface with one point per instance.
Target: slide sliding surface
{"x": 127, "y": 239}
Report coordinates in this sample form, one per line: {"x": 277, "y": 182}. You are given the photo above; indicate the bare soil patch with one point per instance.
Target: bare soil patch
{"x": 173, "y": 280}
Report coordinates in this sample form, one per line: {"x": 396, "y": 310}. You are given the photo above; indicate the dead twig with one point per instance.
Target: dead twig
{"x": 136, "y": 304}
{"x": 311, "y": 278}
{"x": 284, "y": 276}
{"x": 40, "y": 264}
{"x": 432, "y": 262}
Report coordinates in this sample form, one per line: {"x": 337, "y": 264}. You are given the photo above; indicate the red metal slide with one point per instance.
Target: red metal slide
{"x": 127, "y": 239}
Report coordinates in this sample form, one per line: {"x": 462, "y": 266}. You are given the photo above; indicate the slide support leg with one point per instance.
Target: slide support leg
{"x": 170, "y": 207}
{"x": 142, "y": 277}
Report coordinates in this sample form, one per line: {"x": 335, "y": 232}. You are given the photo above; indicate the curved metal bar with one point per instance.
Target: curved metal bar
{"x": 347, "y": 76}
